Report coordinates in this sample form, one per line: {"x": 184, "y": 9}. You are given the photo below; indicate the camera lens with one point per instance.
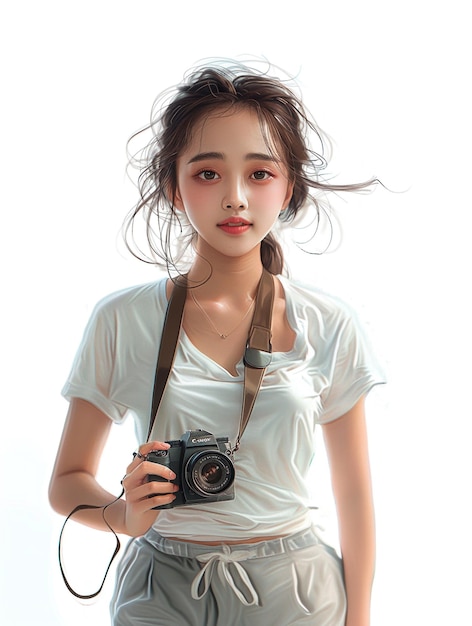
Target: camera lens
{"x": 209, "y": 472}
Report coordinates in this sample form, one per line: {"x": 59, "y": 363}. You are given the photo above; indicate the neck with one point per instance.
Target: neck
{"x": 235, "y": 276}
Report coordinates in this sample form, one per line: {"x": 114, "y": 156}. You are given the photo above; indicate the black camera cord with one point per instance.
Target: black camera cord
{"x": 83, "y": 507}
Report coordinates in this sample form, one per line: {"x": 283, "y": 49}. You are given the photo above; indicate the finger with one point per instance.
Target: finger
{"x": 144, "y": 499}
{"x": 149, "y": 468}
{"x": 145, "y": 505}
{"x": 143, "y": 451}
{"x": 137, "y": 474}
{"x": 146, "y": 448}
{"x": 150, "y": 490}
{"x": 154, "y": 501}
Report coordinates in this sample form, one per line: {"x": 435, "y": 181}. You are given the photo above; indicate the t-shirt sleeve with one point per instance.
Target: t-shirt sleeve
{"x": 92, "y": 374}
{"x": 353, "y": 368}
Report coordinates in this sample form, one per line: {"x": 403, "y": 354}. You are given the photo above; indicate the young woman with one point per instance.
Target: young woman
{"x": 229, "y": 160}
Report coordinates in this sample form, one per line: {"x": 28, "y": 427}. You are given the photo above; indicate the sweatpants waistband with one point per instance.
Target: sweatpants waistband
{"x": 222, "y": 557}
{"x": 296, "y": 541}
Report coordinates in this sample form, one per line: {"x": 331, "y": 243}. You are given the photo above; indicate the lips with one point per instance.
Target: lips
{"x": 234, "y": 225}
{"x": 234, "y": 221}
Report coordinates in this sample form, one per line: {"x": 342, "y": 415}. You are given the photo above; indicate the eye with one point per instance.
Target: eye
{"x": 261, "y": 175}
{"x": 207, "y": 175}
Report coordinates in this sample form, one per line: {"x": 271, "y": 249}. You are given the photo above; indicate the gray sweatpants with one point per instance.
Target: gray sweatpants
{"x": 292, "y": 581}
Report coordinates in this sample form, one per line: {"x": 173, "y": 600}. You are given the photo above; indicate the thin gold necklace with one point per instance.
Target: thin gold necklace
{"x": 220, "y": 334}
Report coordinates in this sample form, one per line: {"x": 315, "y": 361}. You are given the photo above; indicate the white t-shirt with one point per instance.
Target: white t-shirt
{"x": 329, "y": 368}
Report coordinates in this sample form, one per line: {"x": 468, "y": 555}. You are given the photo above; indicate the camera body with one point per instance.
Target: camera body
{"x": 202, "y": 465}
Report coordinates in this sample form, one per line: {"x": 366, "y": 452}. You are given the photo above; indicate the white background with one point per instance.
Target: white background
{"x": 390, "y": 82}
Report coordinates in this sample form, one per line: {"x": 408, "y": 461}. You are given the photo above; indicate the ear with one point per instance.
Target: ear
{"x": 288, "y": 197}
{"x": 178, "y": 204}
{"x": 175, "y": 199}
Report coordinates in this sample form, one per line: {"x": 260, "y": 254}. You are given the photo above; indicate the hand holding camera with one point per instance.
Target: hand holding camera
{"x": 202, "y": 465}
{"x": 139, "y": 513}
{"x": 194, "y": 469}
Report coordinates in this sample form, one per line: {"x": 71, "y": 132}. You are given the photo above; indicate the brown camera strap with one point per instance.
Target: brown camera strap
{"x": 257, "y": 355}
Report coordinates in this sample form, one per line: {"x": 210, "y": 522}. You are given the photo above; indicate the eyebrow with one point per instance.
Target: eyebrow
{"x": 252, "y": 156}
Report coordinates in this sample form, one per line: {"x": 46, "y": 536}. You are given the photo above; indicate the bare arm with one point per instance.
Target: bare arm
{"x": 73, "y": 480}
{"x": 347, "y": 449}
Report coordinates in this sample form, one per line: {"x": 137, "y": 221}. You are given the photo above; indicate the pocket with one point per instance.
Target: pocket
{"x": 133, "y": 580}
{"x": 318, "y": 585}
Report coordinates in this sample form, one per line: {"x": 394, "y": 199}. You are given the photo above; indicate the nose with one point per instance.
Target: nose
{"x": 235, "y": 197}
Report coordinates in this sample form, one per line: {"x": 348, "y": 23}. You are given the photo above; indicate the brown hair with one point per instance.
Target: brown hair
{"x": 203, "y": 91}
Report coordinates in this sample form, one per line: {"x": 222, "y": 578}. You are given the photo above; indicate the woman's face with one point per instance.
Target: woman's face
{"x": 231, "y": 186}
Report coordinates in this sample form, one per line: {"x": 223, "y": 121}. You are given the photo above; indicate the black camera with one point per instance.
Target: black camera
{"x": 202, "y": 465}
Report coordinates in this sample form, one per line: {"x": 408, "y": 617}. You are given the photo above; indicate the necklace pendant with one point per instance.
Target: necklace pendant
{"x": 210, "y": 321}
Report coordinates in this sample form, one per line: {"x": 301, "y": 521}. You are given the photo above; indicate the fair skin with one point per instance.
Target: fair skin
{"x": 232, "y": 189}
